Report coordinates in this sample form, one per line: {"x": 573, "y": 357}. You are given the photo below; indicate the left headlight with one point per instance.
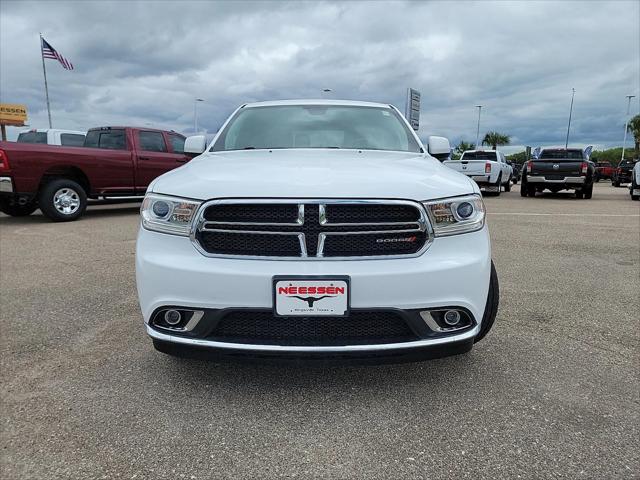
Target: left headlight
{"x": 165, "y": 214}
{"x": 451, "y": 216}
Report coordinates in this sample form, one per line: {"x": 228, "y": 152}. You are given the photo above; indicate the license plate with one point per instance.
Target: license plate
{"x": 311, "y": 296}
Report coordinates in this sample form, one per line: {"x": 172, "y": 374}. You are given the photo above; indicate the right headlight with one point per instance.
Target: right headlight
{"x": 452, "y": 216}
{"x": 165, "y": 214}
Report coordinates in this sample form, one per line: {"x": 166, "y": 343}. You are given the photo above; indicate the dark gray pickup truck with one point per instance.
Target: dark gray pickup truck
{"x": 558, "y": 169}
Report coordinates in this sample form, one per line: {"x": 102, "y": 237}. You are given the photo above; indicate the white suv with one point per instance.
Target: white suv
{"x": 315, "y": 228}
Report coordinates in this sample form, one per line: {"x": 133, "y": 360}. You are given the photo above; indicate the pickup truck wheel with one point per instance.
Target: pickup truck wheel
{"x": 579, "y": 194}
{"x": 491, "y": 308}
{"x": 615, "y": 183}
{"x": 507, "y": 186}
{"x": 15, "y": 210}
{"x": 497, "y": 186}
{"x": 523, "y": 189}
{"x": 588, "y": 192}
{"x": 531, "y": 190}
{"x": 62, "y": 200}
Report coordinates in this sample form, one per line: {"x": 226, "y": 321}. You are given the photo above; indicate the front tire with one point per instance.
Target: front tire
{"x": 491, "y": 308}
{"x": 13, "y": 209}
{"x": 62, "y": 200}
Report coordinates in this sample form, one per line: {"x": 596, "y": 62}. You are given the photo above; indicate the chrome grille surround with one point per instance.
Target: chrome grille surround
{"x": 201, "y": 224}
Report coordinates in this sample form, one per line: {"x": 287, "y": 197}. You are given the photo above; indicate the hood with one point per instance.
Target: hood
{"x": 314, "y": 173}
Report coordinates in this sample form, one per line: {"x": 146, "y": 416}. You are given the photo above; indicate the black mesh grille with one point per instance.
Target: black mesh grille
{"x": 252, "y": 213}
{"x": 373, "y": 244}
{"x": 249, "y": 244}
{"x": 372, "y": 213}
{"x": 357, "y": 328}
{"x": 402, "y": 238}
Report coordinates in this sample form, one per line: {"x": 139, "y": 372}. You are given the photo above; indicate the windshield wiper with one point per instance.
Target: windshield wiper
{"x": 249, "y": 148}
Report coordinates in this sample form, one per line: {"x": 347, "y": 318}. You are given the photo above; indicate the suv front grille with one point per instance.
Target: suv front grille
{"x": 363, "y": 327}
{"x": 311, "y": 229}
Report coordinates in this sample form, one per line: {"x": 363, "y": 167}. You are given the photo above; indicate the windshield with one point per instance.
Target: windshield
{"x": 562, "y": 154}
{"x": 478, "y": 156}
{"x": 316, "y": 126}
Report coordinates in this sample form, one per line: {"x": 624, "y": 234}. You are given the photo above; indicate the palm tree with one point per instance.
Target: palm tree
{"x": 495, "y": 138}
{"x": 634, "y": 128}
{"x": 464, "y": 146}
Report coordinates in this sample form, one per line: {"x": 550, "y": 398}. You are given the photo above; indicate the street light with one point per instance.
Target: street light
{"x": 573, "y": 92}
{"x": 626, "y": 124}
{"x": 479, "y": 107}
{"x": 195, "y": 114}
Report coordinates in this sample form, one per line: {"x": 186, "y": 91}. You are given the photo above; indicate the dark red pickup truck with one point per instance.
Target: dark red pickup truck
{"x": 114, "y": 162}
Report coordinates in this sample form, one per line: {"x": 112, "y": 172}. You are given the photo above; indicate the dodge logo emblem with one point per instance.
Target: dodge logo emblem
{"x": 556, "y": 166}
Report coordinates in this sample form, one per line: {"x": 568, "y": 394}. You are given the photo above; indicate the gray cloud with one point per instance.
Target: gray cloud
{"x": 143, "y": 63}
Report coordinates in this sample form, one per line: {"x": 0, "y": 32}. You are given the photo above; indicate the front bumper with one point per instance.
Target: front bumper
{"x": 453, "y": 272}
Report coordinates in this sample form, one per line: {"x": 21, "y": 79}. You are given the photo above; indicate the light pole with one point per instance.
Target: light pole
{"x": 195, "y": 114}
{"x": 479, "y": 107}
{"x": 573, "y": 92}
{"x": 626, "y": 124}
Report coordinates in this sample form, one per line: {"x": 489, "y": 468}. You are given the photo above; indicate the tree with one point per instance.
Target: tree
{"x": 464, "y": 146}
{"x": 634, "y": 128}
{"x": 495, "y": 138}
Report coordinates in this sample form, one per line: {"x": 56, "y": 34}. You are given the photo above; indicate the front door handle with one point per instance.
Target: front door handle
{"x": 181, "y": 160}
{"x": 143, "y": 158}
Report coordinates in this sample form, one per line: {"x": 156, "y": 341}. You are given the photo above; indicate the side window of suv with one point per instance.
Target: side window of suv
{"x": 177, "y": 143}
{"x": 152, "y": 142}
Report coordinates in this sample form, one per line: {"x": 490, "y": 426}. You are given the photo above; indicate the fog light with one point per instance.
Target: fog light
{"x": 452, "y": 317}
{"x": 172, "y": 317}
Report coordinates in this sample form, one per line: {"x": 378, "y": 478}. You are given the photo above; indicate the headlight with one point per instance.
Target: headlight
{"x": 451, "y": 216}
{"x": 174, "y": 215}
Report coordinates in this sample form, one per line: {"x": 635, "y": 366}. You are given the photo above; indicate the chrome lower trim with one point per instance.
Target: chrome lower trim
{"x": 433, "y": 325}
{"x": 6, "y": 185}
{"x": 385, "y": 347}
{"x": 191, "y": 324}
{"x": 422, "y": 225}
{"x": 576, "y": 180}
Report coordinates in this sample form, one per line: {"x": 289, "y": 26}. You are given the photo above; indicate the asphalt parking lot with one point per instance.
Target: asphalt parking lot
{"x": 552, "y": 392}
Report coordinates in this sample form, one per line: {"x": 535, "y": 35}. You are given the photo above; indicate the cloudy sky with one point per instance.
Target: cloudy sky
{"x": 143, "y": 63}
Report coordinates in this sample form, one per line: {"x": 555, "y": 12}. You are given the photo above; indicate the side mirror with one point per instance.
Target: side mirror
{"x": 439, "y": 147}
{"x": 195, "y": 144}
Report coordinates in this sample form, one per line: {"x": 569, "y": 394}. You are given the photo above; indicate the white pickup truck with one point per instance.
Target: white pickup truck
{"x": 488, "y": 168}
{"x": 317, "y": 228}
{"x": 52, "y": 136}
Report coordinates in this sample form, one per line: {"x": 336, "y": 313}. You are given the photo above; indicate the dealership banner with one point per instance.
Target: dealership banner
{"x": 13, "y": 114}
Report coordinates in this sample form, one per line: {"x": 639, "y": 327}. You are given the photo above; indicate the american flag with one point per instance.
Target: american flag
{"x": 49, "y": 52}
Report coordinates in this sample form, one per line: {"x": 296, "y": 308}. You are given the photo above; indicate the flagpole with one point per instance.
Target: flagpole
{"x": 46, "y": 87}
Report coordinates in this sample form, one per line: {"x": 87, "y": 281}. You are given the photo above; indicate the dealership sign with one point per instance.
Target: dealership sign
{"x": 412, "y": 108}
{"x": 13, "y": 114}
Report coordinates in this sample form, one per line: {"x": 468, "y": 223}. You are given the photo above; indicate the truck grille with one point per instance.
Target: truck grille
{"x": 311, "y": 229}
{"x": 364, "y": 327}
